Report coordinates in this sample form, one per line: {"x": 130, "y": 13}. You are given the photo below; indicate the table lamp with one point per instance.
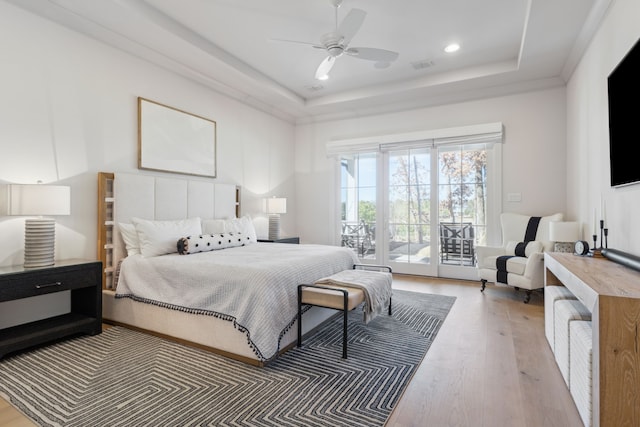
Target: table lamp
{"x": 275, "y": 207}
{"x": 564, "y": 234}
{"x": 39, "y": 233}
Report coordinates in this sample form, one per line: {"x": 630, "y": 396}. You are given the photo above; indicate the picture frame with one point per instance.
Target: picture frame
{"x": 172, "y": 140}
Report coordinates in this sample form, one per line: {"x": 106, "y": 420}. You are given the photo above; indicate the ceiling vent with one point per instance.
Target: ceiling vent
{"x": 314, "y": 88}
{"x": 420, "y": 65}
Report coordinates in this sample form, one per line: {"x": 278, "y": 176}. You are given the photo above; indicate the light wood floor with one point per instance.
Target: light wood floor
{"x": 490, "y": 365}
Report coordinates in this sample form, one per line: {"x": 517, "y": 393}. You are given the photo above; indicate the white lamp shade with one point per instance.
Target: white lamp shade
{"x": 276, "y": 205}
{"x": 36, "y": 199}
{"x": 564, "y": 231}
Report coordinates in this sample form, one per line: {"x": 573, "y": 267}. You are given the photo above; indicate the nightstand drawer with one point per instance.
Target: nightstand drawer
{"x": 40, "y": 282}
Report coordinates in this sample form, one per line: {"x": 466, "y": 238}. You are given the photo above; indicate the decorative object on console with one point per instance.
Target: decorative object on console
{"x": 564, "y": 234}
{"x": 40, "y": 200}
{"x": 597, "y": 250}
{"x": 275, "y": 207}
{"x": 581, "y": 247}
{"x": 622, "y": 258}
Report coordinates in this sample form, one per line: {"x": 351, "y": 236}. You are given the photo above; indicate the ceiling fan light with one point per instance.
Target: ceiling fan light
{"x": 453, "y": 47}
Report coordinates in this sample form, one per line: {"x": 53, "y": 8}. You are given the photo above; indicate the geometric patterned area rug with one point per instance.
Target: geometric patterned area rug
{"x": 126, "y": 378}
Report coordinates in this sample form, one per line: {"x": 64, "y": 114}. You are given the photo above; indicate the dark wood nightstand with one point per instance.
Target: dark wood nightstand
{"x": 81, "y": 277}
{"x": 295, "y": 240}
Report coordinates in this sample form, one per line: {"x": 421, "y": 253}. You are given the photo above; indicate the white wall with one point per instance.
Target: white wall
{"x": 587, "y": 133}
{"x": 533, "y": 153}
{"x": 68, "y": 110}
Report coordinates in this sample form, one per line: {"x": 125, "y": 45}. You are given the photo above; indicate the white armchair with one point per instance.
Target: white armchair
{"x": 519, "y": 262}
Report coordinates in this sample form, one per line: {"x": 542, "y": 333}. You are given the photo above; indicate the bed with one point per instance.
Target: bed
{"x": 239, "y": 301}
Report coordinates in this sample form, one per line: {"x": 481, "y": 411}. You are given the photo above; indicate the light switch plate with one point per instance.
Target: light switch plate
{"x": 514, "y": 197}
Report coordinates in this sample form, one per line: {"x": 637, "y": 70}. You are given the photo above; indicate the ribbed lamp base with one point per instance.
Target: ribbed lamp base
{"x": 274, "y": 226}
{"x": 39, "y": 242}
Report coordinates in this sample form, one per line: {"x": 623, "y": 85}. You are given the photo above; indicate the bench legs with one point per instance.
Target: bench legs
{"x": 300, "y": 316}
{"x": 345, "y": 315}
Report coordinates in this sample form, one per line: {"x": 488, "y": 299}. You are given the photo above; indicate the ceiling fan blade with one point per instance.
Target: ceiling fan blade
{"x": 325, "y": 66}
{"x": 351, "y": 24}
{"x": 316, "y": 45}
{"x": 372, "y": 54}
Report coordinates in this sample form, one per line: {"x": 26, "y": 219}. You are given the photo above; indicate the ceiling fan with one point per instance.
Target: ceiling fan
{"x": 336, "y": 43}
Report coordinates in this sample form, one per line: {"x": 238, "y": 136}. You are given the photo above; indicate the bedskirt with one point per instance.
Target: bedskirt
{"x": 207, "y": 332}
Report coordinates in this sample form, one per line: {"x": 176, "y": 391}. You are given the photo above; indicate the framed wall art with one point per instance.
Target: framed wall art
{"x": 171, "y": 140}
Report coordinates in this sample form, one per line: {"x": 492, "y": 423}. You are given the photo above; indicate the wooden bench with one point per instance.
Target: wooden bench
{"x": 342, "y": 298}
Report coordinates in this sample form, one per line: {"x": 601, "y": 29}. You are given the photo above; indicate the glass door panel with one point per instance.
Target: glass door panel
{"x": 462, "y": 206}
{"x": 358, "y": 203}
{"x": 409, "y": 211}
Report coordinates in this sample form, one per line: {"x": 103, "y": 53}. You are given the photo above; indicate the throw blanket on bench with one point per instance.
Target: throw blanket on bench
{"x": 376, "y": 286}
{"x": 529, "y": 235}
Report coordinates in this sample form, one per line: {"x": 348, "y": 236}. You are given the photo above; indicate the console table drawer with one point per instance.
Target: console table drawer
{"x": 44, "y": 282}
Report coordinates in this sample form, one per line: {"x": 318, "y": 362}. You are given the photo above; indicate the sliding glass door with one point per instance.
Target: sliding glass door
{"x": 421, "y": 207}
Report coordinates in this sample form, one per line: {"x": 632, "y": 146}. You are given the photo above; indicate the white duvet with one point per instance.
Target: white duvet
{"x": 254, "y": 286}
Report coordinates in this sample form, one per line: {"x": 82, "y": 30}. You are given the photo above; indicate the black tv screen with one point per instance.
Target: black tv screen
{"x": 624, "y": 116}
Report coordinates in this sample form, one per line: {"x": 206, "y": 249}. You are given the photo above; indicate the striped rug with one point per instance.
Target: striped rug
{"x": 127, "y": 378}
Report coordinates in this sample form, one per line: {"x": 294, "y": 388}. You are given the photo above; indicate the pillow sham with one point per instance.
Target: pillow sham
{"x": 159, "y": 237}
{"x": 130, "y": 238}
{"x": 210, "y": 242}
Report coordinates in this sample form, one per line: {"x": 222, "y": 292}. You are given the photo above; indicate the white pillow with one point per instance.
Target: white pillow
{"x": 160, "y": 237}
{"x": 242, "y": 225}
{"x": 130, "y": 237}
{"x": 213, "y": 226}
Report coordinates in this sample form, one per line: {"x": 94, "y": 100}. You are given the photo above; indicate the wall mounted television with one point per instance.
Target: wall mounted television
{"x": 624, "y": 113}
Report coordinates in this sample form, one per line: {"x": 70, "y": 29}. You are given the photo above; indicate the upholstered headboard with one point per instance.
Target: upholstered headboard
{"x": 160, "y": 198}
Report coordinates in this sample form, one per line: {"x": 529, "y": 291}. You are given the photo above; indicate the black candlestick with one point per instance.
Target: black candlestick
{"x": 595, "y": 241}
{"x": 601, "y": 228}
{"x": 606, "y": 238}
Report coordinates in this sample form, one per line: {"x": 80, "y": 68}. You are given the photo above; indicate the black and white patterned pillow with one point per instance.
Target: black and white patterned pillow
{"x": 210, "y": 242}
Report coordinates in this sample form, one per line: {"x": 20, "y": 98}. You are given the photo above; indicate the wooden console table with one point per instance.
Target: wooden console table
{"x": 612, "y": 293}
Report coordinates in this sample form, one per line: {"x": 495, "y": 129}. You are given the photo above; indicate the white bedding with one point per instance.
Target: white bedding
{"x": 254, "y": 286}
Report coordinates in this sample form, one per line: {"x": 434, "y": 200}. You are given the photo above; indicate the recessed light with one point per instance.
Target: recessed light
{"x": 325, "y": 77}
{"x": 452, "y": 47}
